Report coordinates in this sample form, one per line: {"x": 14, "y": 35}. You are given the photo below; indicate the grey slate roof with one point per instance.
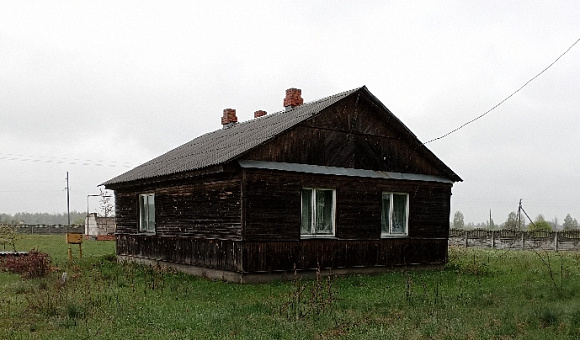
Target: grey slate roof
{"x": 223, "y": 145}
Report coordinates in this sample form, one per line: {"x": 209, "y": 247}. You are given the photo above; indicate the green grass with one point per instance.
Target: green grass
{"x": 56, "y": 246}
{"x": 481, "y": 294}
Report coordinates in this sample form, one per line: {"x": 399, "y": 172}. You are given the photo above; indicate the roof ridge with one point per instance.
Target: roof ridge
{"x": 222, "y": 145}
{"x": 268, "y": 116}
{"x": 313, "y": 102}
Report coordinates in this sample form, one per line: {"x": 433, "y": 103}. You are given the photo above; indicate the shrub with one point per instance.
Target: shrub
{"x": 9, "y": 236}
{"x": 35, "y": 264}
{"x": 540, "y": 226}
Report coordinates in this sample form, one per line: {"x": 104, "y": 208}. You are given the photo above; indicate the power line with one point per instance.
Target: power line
{"x": 48, "y": 190}
{"x": 62, "y": 160}
{"x": 506, "y": 98}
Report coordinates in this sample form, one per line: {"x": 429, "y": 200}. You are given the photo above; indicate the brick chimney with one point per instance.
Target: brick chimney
{"x": 229, "y": 118}
{"x": 293, "y": 98}
{"x": 259, "y": 113}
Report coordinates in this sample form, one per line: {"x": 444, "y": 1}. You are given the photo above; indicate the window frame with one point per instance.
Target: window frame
{"x": 313, "y": 233}
{"x": 390, "y": 233}
{"x": 147, "y": 229}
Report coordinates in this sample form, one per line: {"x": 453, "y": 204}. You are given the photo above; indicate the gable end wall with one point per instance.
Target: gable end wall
{"x": 354, "y": 133}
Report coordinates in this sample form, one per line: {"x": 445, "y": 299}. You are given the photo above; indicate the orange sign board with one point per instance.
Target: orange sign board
{"x": 74, "y": 238}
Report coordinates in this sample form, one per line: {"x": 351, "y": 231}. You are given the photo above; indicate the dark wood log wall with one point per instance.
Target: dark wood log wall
{"x": 207, "y": 206}
{"x": 273, "y": 205}
{"x": 271, "y": 237}
{"x": 126, "y": 212}
{"x": 198, "y": 222}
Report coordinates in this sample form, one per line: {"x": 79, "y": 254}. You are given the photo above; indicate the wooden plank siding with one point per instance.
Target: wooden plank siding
{"x": 353, "y": 135}
{"x": 338, "y": 254}
{"x": 200, "y": 252}
{"x": 276, "y": 256}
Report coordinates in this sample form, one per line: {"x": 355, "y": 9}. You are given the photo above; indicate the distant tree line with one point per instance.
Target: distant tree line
{"x": 513, "y": 222}
{"x": 76, "y": 217}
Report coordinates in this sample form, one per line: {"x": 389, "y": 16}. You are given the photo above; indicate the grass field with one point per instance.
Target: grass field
{"x": 481, "y": 294}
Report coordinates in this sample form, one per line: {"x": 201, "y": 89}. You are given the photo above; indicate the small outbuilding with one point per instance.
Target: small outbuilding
{"x": 336, "y": 183}
{"x": 98, "y": 227}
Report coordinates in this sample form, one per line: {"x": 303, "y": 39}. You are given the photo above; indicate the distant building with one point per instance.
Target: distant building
{"x": 99, "y": 226}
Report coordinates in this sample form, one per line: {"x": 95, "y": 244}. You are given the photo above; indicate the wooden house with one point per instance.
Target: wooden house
{"x": 335, "y": 183}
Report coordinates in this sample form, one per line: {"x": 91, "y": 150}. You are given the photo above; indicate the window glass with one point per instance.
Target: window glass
{"x": 324, "y": 208}
{"x": 151, "y": 213}
{"x": 306, "y": 227}
{"x": 399, "y": 219}
{"x": 385, "y": 213}
{"x": 394, "y": 214}
{"x": 143, "y": 212}
{"x": 147, "y": 213}
{"x": 318, "y": 209}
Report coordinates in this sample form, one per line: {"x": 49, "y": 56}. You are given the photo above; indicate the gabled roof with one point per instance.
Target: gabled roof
{"x": 223, "y": 145}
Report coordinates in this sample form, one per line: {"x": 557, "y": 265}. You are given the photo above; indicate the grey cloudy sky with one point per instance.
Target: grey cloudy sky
{"x": 97, "y": 87}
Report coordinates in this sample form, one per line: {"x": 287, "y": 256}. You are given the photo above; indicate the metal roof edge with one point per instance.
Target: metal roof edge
{"x": 337, "y": 171}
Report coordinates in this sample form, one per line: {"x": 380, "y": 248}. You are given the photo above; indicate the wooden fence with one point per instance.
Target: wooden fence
{"x": 510, "y": 239}
{"x": 49, "y": 229}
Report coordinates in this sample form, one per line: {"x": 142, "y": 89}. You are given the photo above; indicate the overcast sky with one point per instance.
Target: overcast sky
{"x": 97, "y": 87}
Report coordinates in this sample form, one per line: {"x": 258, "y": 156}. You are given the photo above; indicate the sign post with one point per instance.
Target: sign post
{"x": 74, "y": 239}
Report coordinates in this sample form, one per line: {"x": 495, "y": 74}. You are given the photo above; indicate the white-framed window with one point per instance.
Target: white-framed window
{"x": 318, "y": 210}
{"x": 147, "y": 213}
{"x": 394, "y": 214}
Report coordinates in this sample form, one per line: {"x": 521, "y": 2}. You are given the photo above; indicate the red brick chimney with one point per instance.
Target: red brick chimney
{"x": 229, "y": 118}
{"x": 293, "y": 98}
{"x": 259, "y": 113}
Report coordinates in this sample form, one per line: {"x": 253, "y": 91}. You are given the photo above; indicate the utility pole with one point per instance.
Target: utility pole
{"x": 67, "y": 203}
{"x": 71, "y": 238}
{"x": 519, "y": 218}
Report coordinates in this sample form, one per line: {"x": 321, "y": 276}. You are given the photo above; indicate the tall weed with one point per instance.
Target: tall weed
{"x": 310, "y": 298}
